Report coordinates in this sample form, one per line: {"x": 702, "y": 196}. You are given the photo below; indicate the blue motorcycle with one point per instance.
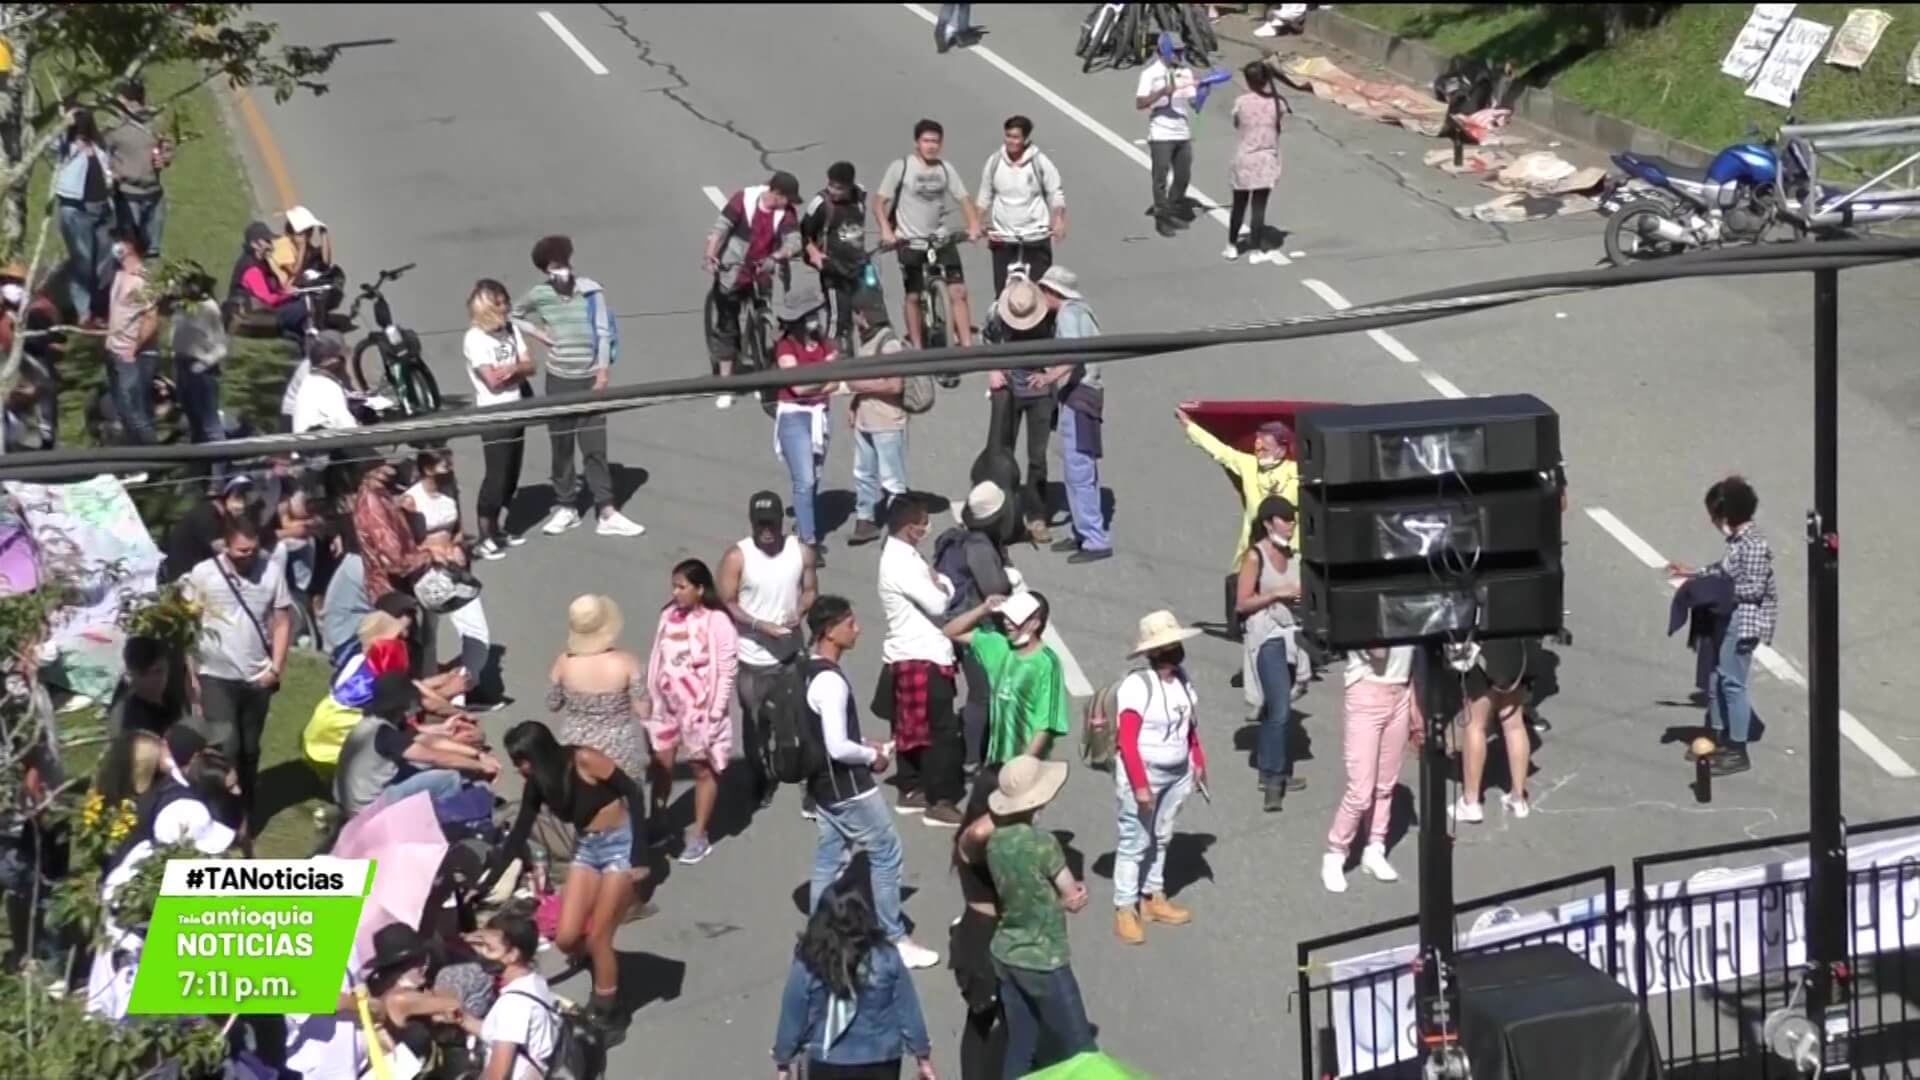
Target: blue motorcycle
{"x": 1745, "y": 191}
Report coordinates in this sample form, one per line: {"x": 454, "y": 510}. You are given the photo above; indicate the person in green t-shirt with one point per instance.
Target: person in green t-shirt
{"x": 1036, "y": 889}
{"x": 1029, "y": 708}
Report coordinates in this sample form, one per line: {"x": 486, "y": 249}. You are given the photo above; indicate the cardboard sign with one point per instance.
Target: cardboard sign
{"x": 1793, "y": 53}
{"x": 1858, "y": 37}
{"x": 1756, "y": 37}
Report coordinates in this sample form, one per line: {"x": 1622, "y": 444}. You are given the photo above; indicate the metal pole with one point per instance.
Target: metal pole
{"x": 1828, "y": 980}
{"x": 1436, "y": 1012}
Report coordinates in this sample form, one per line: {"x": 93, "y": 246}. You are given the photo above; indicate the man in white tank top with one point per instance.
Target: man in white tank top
{"x": 767, "y": 582}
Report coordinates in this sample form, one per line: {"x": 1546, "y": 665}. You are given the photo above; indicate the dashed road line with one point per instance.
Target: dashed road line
{"x": 716, "y": 196}
{"x": 1101, "y": 131}
{"x": 1778, "y": 665}
{"x": 566, "y": 38}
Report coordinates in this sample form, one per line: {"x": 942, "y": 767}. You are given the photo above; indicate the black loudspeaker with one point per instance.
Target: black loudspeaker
{"x": 1430, "y": 519}
{"x": 1540, "y": 1012}
{"x": 1415, "y": 440}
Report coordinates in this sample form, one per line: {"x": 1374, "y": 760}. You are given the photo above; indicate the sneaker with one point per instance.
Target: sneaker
{"x": 697, "y": 848}
{"x": 766, "y": 795}
{"x": 915, "y": 955}
{"x": 1127, "y": 927}
{"x": 1518, "y": 808}
{"x": 615, "y": 523}
{"x": 910, "y": 802}
{"x": 564, "y": 518}
{"x": 1294, "y": 783}
{"x": 807, "y": 811}
{"x": 490, "y": 549}
{"x": 1374, "y": 861}
{"x": 1729, "y": 760}
{"x": 1089, "y": 555}
{"x": 864, "y": 532}
{"x": 1259, "y": 257}
{"x": 943, "y": 816}
{"x": 1333, "y": 872}
{"x": 724, "y": 401}
{"x": 1230, "y": 252}
{"x": 1469, "y": 812}
{"x": 1268, "y": 30}
{"x": 516, "y": 539}
{"x": 1066, "y": 546}
{"x": 1275, "y": 798}
{"x": 1165, "y": 227}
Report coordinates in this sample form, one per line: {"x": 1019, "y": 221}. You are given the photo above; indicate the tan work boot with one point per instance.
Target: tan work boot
{"x": 1126, "y": 927}
{"x": 1158, "y": 908}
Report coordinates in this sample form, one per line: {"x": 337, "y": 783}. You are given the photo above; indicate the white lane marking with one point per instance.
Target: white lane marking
{"x": 1386, "y": 341}
{"x": 1766, "y": 655}
{"x": 1101, "y": 131}
{"x": 566, "y": 38}
{"x": 1077, "y": 684}
{"x": 716, "y": 196}
{"x": 1441, "y": 383}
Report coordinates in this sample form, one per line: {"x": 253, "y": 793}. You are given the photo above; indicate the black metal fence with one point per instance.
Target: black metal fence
{"x": 1707, "y": 959}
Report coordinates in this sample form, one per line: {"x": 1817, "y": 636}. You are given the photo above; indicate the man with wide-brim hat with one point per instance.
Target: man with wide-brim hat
{"x": 1036, "y": 891}
{"x": 1080, "y": 420}
{"x": 1026, "y": 394}
{"x": 1162, "y": 762}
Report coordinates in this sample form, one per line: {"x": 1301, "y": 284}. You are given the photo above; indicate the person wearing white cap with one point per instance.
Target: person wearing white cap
{"x": 1082, "y": 407}
{"x": 1162, "y": 762}
{"x": 1028, "y": 707}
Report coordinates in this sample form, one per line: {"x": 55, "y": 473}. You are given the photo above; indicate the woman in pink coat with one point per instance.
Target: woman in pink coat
{"x": 1255, "y": 167}
{"x": 690, "y": 679}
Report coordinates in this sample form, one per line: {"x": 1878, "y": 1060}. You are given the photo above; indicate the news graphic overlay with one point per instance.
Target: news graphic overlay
{"x": 250, "y": 936}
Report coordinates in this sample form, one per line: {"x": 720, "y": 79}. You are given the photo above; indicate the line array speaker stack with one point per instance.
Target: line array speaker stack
{"x": 1430, "y": 519}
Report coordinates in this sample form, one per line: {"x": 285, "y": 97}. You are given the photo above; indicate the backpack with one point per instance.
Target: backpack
{"x": 594, "y": 303}
{"x": 845, "y": 259}
{"x": 578, "y": 1053}
{"x": 793, "y": 747}
{"x": 1043, "y": 177}
{"x": 1100, "y": 730}
{"x": 950, "y": 558}
{"x": 916, "y": 391}
{"x": 893, "y": 204}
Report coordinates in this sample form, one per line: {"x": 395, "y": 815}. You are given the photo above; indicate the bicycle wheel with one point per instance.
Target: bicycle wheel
{"x": 933, "y": 307}
{"x": 372, "y": 376}
{"x": 420, "y": 394}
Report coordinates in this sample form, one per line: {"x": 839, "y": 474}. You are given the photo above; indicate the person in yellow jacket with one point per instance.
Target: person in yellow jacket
{"x": 1269, "y": 470}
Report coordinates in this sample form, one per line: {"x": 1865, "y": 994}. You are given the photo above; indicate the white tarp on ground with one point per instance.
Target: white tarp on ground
{"x": 1799, "y": 46}
{"x": 90, "y": 536}
{"x": 1756, "y": 37}
{"x": 1691, "y": 940}
{"x": 1858, "y": 37}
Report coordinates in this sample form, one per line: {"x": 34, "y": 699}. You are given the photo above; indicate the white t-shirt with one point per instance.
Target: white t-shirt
{"x": 1167, "y": 121}
{"x": 493, "y": 350}
{"x": 1395, "y": 670}
{"x": 439, "y": 511}
{"x": 321, "y": 403}
{"x": 1166, "y": 716}
{"x": 294, "y": 383}
{"x": 515, "y": 1019}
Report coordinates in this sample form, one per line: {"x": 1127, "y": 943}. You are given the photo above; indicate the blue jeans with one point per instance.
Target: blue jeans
{"x": 879, "y": 463}
{"x": 1083, "y": 486}
{"x": 860, "y": 825}
{"x": 87, "y": 229}
{"x": 438, "y": 783}
{"x": 131, "y": 384}
{"x": 794, "y": 433}
{"x": 146, "y": 216}
{"x": 1140, "y": 857}
{"x": 198, "y": 393}
{"x": 609, "y": 851}
{"x": 1042, "y": 1007}
{"x": 1729, "y": 710}
{"x": 1276, "y": 715}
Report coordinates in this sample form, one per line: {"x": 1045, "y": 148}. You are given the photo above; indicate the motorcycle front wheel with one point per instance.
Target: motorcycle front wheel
{"x": 1632, "y": 233}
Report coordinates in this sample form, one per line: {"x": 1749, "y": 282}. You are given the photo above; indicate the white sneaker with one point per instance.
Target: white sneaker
{"x": 1230, "y": 252}
{"x": 1469, "y": 812}
{"x": 724, "y": 401}
{"x": 1516, "y": 807}
{"x": 564, "y": 518}
{"x": 615, "y": 523}
{"x": 916, "y": 956}
{"x": 1374, "y": 861}
{"x": 1266, "y": 30}
{"x": 1333, "y": 872}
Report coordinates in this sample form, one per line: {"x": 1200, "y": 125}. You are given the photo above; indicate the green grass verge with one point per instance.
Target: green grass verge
{"x": 1667, "y": 76}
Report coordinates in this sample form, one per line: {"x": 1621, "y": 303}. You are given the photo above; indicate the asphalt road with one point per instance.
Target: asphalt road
{"x": 473, "y": 130}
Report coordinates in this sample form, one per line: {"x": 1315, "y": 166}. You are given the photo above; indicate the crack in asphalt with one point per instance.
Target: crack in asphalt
{"x": 1399, "y": 177}
{"x": 643, "y": 51}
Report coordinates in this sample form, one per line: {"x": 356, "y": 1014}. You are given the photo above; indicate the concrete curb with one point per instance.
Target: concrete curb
{"x": 1421, "y": 64}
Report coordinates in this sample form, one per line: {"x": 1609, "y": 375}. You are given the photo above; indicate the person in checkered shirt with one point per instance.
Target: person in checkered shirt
{"x": 1748, "y": 563}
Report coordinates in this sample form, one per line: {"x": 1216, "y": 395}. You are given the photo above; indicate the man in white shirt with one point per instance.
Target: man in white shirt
{"x": 320, "y": 398}
{"x": 917, "y": 688}
{"x": 1165, "y": 92}
{"x": 1025, "y": 206}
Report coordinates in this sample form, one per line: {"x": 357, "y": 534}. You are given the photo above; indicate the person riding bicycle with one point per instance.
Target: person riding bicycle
{"x": 756, "y": 224}
{"x": 834, "y": 228}
{"x": 1025, "y": 204}
{"x": 911, "y": 206}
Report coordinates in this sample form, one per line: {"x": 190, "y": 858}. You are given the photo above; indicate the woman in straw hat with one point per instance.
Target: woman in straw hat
{"x": 1160, "y": 750}
{"x": 1036, "y": 890}
{"x": 600, "y": 691}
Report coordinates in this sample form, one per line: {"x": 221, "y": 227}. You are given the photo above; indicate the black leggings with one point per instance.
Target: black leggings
{"x": 1256, "y": 229}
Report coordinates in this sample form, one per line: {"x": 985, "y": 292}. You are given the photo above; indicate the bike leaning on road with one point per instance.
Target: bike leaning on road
{"x": 404, "y": 377}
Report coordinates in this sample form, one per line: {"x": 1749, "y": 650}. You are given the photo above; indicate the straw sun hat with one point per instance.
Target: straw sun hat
{"x": 1158, "y": 630}
{"x": 593, "y": 623}
{"x": 1027, "y": 783}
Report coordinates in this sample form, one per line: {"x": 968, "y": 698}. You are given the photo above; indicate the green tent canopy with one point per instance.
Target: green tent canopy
{"x": 1091, "y": 1065}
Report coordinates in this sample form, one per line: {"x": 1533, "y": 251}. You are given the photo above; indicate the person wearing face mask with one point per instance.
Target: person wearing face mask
{"x": 242, "y": 650}
{"x": 834, "y": 230}
{"x": 569, "y": 315}
{"x": 1162, "y": 761}
{"x": 1165, "y": 92}
{"x": 1269, "y": 470}
{"x": 800, "y": 415}
{"x": 757, "y": 224}
{"x": 521, "y": 1029}
{"x": 255, "y": 292}
{"x": 133, "y": 326}
{"x": 1274, "y": 667}
{"x": 1028, "y": 709}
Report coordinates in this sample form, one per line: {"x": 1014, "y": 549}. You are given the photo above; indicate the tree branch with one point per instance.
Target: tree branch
{"x": 10, "y": 369}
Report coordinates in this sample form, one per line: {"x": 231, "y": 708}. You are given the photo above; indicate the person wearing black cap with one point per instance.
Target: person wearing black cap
{"x": 382, "y": 754}
{"x": 757, "y": 224}
{"x": 254, "y": 289}
{"x": 766, "y": 581}
{"x": 320, "y": 398}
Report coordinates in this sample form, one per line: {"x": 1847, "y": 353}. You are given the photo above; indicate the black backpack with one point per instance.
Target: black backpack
{"x": 950, "y": 558}
{"x": 793, "y": 748}
{"x": 578, "y": 1051}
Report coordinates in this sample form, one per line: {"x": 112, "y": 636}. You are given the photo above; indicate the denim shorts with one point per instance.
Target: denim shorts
{"x": 607, "y": 851}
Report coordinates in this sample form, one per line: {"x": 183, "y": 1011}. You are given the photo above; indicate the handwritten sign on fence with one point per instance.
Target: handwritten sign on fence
{"x": 1858, "y": 37}
{"x": 1756, "y": 37}
{"x": 1795, "y": 51}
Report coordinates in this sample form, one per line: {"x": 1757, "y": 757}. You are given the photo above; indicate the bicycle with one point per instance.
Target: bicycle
{"x": 407, "y": 380}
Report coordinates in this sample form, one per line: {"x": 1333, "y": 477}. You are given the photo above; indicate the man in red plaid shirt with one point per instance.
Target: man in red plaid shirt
{"x": 917, "y": 686}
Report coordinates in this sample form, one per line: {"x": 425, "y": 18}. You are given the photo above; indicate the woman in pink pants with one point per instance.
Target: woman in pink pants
{"x": 1382, "y": 720}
